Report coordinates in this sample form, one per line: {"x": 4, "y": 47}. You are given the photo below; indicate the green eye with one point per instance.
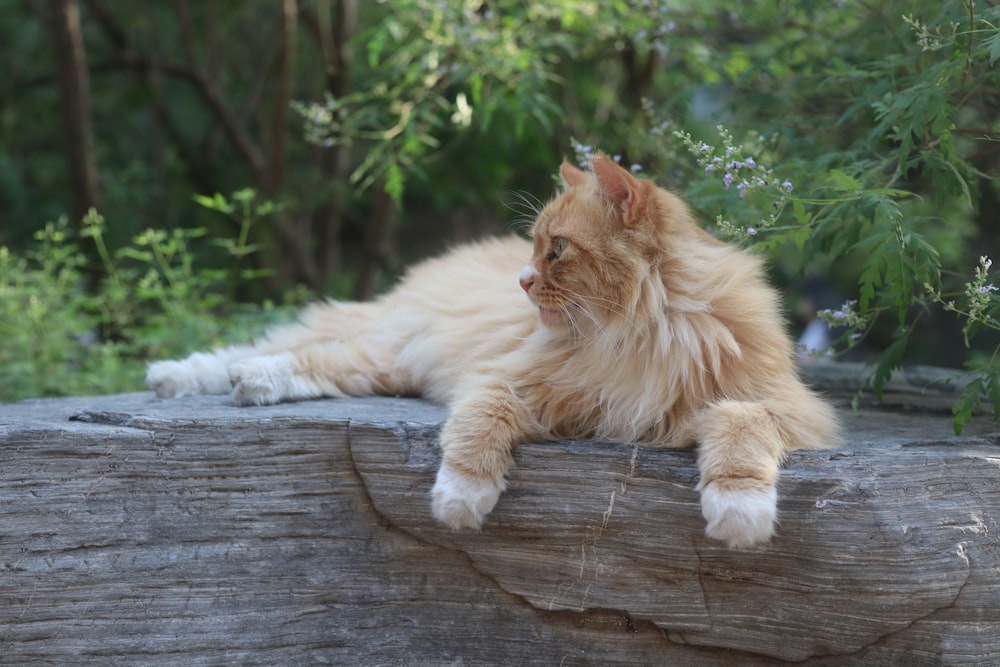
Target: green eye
{"x": 559, "y": 246}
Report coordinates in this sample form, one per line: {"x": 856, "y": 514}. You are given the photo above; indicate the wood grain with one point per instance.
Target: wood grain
{"x": 134, "y": 530}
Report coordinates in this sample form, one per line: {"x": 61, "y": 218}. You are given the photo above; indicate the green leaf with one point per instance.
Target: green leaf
{"x": 394, "y": 181}
{"x": 799, "y": 211}
{"x": 844, "y": 182}
{"x": 214, "y": 203}
{"x": 969, "y": 400}
{"x": 993, "y": 46}
{"x": 870, "y": 280}
{"x": 890, "y": 359}
{"x": 993, "y": 392}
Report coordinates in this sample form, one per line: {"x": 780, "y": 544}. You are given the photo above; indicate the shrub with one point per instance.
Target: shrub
{"x": 62, "y": 336}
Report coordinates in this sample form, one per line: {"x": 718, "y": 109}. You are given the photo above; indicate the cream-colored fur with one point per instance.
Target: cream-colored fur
{"x": 637, "y": 326}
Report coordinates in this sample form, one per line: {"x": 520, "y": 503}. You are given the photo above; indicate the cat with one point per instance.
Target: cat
{"x": 631, "y": 324}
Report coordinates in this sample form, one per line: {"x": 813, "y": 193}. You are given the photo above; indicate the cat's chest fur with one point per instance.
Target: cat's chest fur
{"x": 603, "y": 389}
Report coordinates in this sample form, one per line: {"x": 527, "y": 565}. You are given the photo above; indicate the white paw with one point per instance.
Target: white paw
{"x": 740, "y": 518}
{"x": 170, "y": 379}
{"x": 259, "y": 381}
{"x": 460, "y": 501}
{"x": 200, "y": 373}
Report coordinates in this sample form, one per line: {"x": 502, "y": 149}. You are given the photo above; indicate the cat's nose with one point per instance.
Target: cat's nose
{"x": 527, "y": 277}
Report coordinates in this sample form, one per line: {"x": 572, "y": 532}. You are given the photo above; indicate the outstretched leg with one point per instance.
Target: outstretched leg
{"x": 330, "y": 370}
{"x": 477, "y": 441}
{"x": 337, "y": 350}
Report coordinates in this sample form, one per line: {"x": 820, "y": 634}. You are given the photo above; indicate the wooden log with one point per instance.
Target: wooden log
{"x": 191, "y": 531}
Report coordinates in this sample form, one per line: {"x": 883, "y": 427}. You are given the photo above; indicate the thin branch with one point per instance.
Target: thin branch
{"x": 183, "y": 11}
{"x": 210, "y": 93}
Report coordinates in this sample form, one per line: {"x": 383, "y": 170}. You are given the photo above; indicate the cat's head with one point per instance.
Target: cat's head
{"x": 595, "y": 246}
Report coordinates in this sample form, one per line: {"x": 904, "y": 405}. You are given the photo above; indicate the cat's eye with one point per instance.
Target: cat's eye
{"x": 559, "y": 245}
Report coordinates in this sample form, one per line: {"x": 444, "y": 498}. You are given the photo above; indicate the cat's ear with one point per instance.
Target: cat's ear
{"x": 617, "y": 186}
{"x": 571, "y": 175}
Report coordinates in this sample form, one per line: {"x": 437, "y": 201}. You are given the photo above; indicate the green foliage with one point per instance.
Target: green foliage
{"x": 63, "y": 338}
{"x": 436, "y": 69}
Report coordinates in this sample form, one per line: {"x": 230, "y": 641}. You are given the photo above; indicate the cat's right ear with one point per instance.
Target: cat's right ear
{"x": 571, "y": 176}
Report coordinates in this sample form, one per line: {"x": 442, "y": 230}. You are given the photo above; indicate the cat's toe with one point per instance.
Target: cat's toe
{"x": 742, "y": 516}
{"x": 252, "y": 385}
{"x": 171, "y": 379}
{"x": 462, "y": 501}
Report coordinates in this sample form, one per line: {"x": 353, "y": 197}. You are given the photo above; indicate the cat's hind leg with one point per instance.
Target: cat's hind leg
{"x": 336, "y": 350}
{"x": 332, "y": 370}
{"x": 739, "y": 457}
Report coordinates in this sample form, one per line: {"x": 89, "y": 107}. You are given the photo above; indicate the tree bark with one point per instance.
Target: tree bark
{"x": 191, "y": 531}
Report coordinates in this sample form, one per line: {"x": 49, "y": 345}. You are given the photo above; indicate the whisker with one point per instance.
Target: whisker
{"x": 613, "y": 306}
{"x": 523, "y": 203}
{"x": 526, "y": 206}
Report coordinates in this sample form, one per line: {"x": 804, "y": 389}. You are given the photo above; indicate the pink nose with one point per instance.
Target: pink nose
{"x": 527, "y": 277}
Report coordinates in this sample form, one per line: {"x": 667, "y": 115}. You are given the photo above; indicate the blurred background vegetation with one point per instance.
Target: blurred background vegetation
{"x": 174, "y": 174}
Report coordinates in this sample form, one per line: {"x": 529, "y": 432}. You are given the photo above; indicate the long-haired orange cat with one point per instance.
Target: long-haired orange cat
{"x": 634, "y": 325}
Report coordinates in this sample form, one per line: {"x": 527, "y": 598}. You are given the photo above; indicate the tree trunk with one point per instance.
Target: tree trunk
{"x": 333, "y": 26}
{"x": 282, "y": 99}
{"x": 378, "y": 252}
{"x": 74, "y": 97}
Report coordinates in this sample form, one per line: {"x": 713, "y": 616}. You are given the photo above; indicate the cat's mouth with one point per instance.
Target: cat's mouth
{"x": 551, "y": 317}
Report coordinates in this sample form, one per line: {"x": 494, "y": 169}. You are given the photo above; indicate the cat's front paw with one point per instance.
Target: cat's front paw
{"x": 257, "y": 381}
{"x": 171, "y": 379}
{"x": 461, "y": 501}
{"x": 739, "y": 514}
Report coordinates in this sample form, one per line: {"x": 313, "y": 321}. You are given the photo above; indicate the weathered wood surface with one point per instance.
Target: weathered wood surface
{"x": 134, "y": 530}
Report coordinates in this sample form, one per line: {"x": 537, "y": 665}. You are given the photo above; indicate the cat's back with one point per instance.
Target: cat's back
{"x": 463, "y": 309}
{"x": 469, "y": 279}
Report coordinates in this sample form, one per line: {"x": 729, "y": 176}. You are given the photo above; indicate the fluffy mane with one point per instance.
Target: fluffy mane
{"x": 672, "y": 319}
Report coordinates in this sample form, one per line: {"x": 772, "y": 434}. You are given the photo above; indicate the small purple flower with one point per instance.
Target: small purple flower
{"x": 729, "y": 151}
{"x": 742, "y": 187}
{"x": 986, "y": 289}
{"x": 751, "y": 231}
{"x": 727, "y": 180}
{"x": 636, "y": 167}
{"x": 661, "y": 128}
{"x": 750, "y": 163}
{"x": 787, "y": 186}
